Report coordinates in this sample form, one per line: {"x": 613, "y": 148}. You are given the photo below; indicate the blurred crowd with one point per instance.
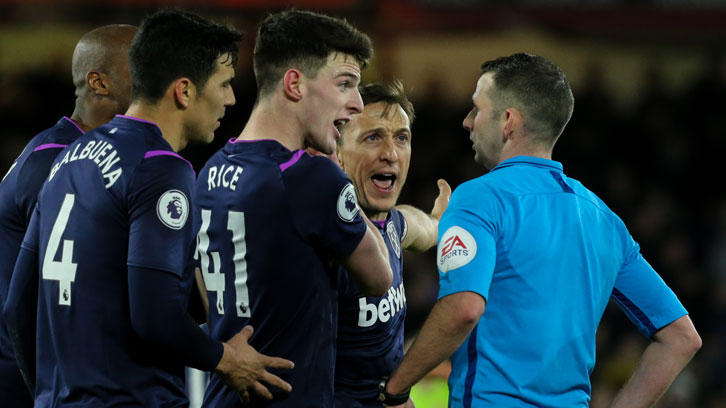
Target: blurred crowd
{"x": 655, "y": 163}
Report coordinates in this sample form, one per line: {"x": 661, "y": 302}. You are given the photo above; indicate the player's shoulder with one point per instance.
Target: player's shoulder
{"x": 56, "y": 137}
{"x": 65, "y": 131}
{"x": 399, "y": 223}
{"x": 166, "y": 159}
{"x": 315, "y": 169}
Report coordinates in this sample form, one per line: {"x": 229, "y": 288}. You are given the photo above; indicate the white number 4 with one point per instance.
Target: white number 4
{"x": 64, "y": 271}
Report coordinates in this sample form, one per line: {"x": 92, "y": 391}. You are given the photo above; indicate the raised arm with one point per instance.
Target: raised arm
{"x": 672, "y": 347}
{"x": 422, "y": 232}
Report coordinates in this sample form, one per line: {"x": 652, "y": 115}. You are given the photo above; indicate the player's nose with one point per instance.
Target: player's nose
{"x": 355, "y": 103}
{"x": 388, "y": 150}
{"x": 468, "y": 122}
{"x": 229, "y": 98}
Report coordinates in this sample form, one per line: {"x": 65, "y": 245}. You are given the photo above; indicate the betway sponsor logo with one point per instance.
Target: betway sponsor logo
{"x": 387, "y": 307}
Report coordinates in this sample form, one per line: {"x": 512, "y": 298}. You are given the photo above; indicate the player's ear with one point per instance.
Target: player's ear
{"x": 98, "y": 83}
{"x": 183, "y": 92}
{"x": 292, "y": 84}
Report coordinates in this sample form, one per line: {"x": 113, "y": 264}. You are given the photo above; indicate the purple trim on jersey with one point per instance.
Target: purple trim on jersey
{"x": 140, "y": 120}
{"x": 380, "y": 223}
{"x": 237, "y": 140}
{"x": 295, "y": 157}
{"x": 152, "y": 153}
{"x": 50, "y": 146}
{"x": 74, "y": 124}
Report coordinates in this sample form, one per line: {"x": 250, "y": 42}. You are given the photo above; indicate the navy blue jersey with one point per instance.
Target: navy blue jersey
{"x": 272, "y": 222}
{"x": 370, "y": 329}
{"x": 18, "y": 194}
{"x": 116, "y": 197}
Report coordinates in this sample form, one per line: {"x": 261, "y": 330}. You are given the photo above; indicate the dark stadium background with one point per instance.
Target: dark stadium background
{"x": 647, "y": 134}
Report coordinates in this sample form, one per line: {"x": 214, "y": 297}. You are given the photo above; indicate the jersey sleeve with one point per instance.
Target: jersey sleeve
{"x": 402, "y": 225}
{"x": 160, "y": 230}
{"x": 324, "y": 205}
{"x": 31, "y": 176}
{"x": 32, "y": 237}
{"x": 643, "y": 295}
{"x": 466, "y": 252}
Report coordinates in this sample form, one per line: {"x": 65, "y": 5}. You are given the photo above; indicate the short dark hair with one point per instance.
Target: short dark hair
{"x": 535, "y": 86}
{"x": 304, "y": 40}
{"x": 390, "y": 94}
{"x": 173, "y": 44}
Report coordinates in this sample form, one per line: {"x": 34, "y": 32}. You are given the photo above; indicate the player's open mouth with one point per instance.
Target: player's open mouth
{"x": 339, "y": 124}
{"x": 384, "y": 181}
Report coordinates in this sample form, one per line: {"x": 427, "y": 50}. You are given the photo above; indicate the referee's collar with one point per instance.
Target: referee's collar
{"x": 530, "y": 161}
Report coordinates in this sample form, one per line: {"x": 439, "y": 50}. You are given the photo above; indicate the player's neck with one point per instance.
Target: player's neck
{"x": 376, "y": 215}
{"x": 169, "y": 121}
{"x": 89, "y": 119}
{"x": 268, "y": 121}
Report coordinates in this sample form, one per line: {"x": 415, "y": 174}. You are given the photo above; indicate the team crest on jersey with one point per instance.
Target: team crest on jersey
{"x": 173, "y": 209}
{"x": 348, "y": 203}
{"x": 456, "y": 248}
{"x": 393, "y": 237}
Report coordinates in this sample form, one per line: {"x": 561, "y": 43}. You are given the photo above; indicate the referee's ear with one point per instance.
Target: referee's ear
{"x": 512, "y": 123}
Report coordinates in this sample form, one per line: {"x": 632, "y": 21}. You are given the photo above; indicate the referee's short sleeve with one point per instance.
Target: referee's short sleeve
{"x": 466, "y": 252}
{"x": 643, "y": 295}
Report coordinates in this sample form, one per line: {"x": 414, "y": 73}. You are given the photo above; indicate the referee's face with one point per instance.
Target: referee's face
{"x": 375, "y": 153}
{"x": 484, "y": 130}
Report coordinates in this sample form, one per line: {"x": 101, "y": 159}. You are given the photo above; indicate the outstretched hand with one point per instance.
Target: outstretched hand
{"x": 243, "y": 368}
{"x": 442, "y": 200}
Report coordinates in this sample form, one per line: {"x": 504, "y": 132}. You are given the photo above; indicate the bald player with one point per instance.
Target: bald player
{"x": 103, "y": 88}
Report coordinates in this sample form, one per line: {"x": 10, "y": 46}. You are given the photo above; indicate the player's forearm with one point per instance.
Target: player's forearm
{"x": 202, "y": 292}
{"x": 368, "y": 265}
{"x": 20, "y": 314}
{"x": 159, "y": 317}
{"x": 380, "y": 243}
{"x": 422, "y": 229}
{"x": 662, "y": 361}
{"x": 451, "y": 320}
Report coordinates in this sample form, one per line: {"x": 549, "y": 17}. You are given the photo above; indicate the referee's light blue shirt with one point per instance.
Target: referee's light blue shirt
{"x": 547, "y": 255}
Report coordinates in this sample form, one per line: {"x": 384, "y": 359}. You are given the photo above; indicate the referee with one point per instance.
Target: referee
{"x": 543, "y": 255}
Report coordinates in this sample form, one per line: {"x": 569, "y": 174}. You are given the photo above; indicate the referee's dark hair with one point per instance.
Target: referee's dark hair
{"x": 173, "y": 44}
{"x": 303, "y": 40}
{"x": 537, "y": 88}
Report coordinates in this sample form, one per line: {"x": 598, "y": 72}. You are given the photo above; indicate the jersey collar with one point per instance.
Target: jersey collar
{"x": 530, "y": 161}
{"x": 125, "y": 120}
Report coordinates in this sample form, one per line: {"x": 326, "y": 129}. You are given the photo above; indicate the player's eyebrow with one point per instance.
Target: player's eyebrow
{"x": 382, "y": 129}
{"x": 379, "y": 129}
{"x": 349, "y": 74}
